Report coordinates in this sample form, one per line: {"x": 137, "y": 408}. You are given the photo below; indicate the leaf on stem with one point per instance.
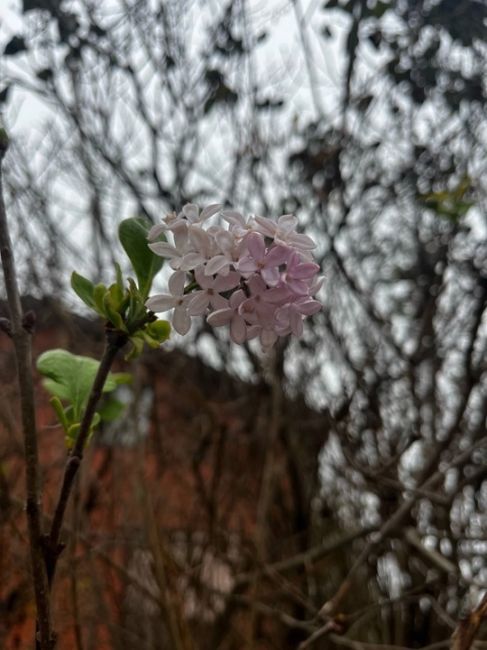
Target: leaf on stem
{"x": 70, "y": 377}
{"x": 133, "y": 233}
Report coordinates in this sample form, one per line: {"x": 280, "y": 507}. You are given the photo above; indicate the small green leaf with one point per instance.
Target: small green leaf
{"x": 119, "y": 276}
{"x": 110, "y": 308}
{"x": 116, "y": 295}
{"x": 70, "y": 377}
{"x": 150, "y": 340}
{"x": 58, "y": 407}
{"x": 160, "y": 330}
{"x": 83, "y": 288}
{"x": 133, "y": 237}
{"x": 137, "y": 347}
{"x": 71, "y": 434}
{"x": 99, "y": 292}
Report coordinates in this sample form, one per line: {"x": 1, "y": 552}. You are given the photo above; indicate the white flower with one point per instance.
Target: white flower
{"x": 230, "y": 316}
{"x": 268, "y": 287}
{"x": 284, "y": 232}
{"x": 176, "y": 300}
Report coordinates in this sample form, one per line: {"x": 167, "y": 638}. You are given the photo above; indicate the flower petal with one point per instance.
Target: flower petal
{"x": 237, "y": 298}
{"x": 256, "y": 245}
{"x": 277, "y": 255}
{"x": 225, "y": 241}
{"x": 287, "y": 222}
{"x": 220, "y": 317}
{"x": 227, "y": 282}
{"x": 256, "y": 284}
{"x": 205, "y": 281}
{"x": 238, "y": 329}
{"x": 316, "y": 285}
{"x": 302, "y": 242}
{"x": 296, "y": 323}
{"x": 267, "y": 338}
{"x": 308, "y": 307}
{"x": 210, "y": 210}
{"x": 180, "y": 234}
{"x": 276, "y": 295}
{"x": 218, "y": 302}
{"x": 299, "y": 287}
{"x": 163, "y": 249}
{"x": 246, "y": 265}
{"x": 200, "y": 239}
{"x": 265, "y": 226}
{"x": 176, "y": 283}
{"x": 233, "y": 217}
{"x": 305, "y": 271}
{"x": 198, "y": 303}
{"x": 155, "y": 231}
{"x": 181, "y": 320}
{"x": 271, "y": 275}
{"x": 191, "y": 212}
{"x": 161, "y": 302}
{"x": 191, "y": 260}
{"x": 216, "y": 264}
{"x": 253, "y": 331}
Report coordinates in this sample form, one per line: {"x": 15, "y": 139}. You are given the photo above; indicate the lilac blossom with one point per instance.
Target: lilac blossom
{"x": 209, "y": 294}
{"x": 176, "y": 300}
{"x": 262, "y": 259}
{"x": 230, "y": 316}
{"x": 298, "y": 274}
{"x": 252, "y": 274}
{"x": 284, "y": 232}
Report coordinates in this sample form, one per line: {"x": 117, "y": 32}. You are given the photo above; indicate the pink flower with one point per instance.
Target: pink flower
{"x": 200, "y": 248}
{"x": 230, "y": 316}
{"x": 235, "y": 276}
{"x": 238, "y": 225}
{"x": 289, "y": 319}
{"x": 209, "y": 293}
{"x": 225, "y": 258}
{"x": 260, "y": 308}
{"x": 190, "y": 215}
{"x": 298, "y": 274}
{"x": 262, "y": 260}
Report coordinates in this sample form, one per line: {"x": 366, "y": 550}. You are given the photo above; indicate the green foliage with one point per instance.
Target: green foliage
{"x": 69, "y": 378}
{"x": 133, "y": 237}
{"x": 125, "y": 310}
{"x": 84, "y": 289}
{"x": 123, "y": 306}
{"x": 451, "y": 204}
{"x": 153, "y": 334}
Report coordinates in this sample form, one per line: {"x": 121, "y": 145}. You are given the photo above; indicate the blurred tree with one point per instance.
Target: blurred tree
{"x": 371, "y": 126}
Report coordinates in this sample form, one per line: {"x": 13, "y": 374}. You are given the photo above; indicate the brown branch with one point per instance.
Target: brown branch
{"x": 465, "y": 633}
{"x": 391, "y": 525}
{"x": 22, "y": 342}
{"x": 310, "y": 556}
{"x": 114, "y": 342}
{"x": 434, "y": 558}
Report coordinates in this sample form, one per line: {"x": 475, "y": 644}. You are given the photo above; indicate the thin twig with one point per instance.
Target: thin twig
{"x": 115, "y": 340}
{"x": 22, "y": 342}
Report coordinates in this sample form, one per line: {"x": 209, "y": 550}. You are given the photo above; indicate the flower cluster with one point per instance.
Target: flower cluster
{"x": 255, "y": 275}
